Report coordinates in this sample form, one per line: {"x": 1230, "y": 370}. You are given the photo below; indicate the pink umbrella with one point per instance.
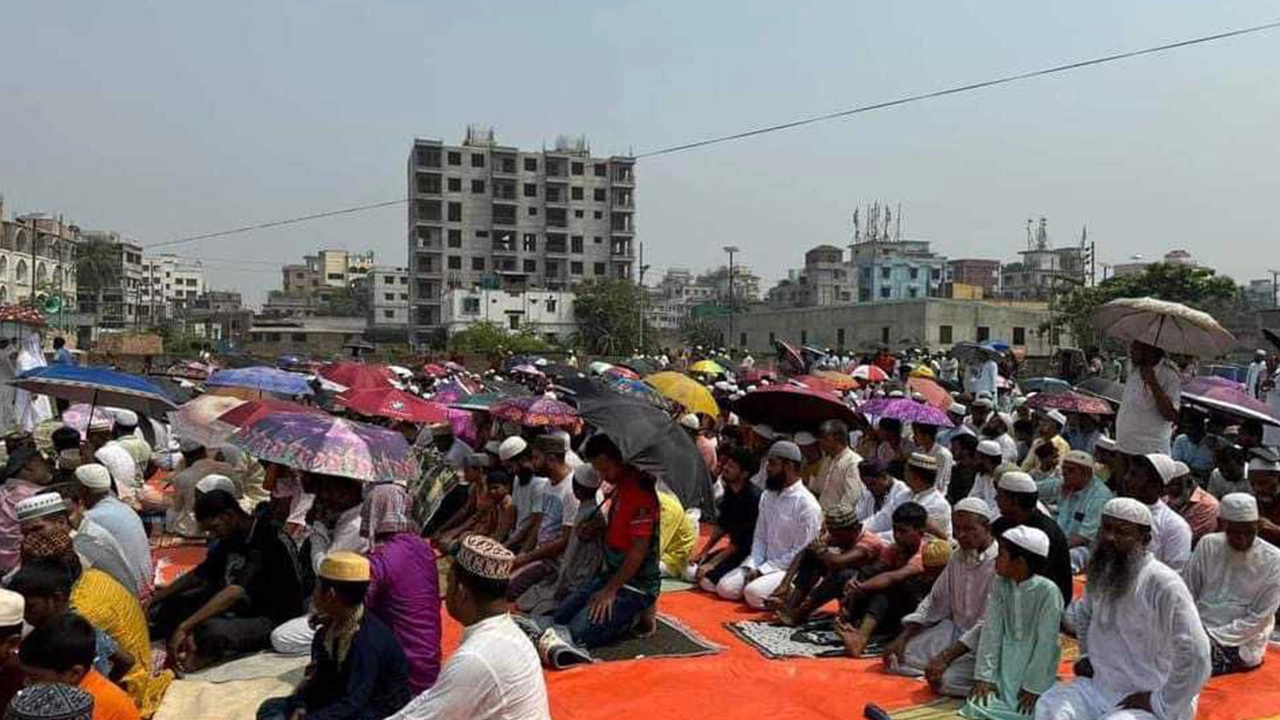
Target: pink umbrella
{"x": 870, "y": 373}
{"x": 1228, "y": 398}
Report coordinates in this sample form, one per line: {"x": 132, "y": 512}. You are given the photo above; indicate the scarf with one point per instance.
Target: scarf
{"x": 338, "y": 636}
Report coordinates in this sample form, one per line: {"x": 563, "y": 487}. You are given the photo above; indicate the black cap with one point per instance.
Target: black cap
{"x": 18, "y": 459}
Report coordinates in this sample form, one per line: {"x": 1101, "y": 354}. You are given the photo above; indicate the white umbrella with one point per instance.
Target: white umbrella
{"x": 1172, "y": 327}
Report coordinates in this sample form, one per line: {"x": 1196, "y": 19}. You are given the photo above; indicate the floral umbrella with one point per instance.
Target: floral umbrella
{"x": 869, "y": 373}
{"x": 617, "y": 371}
{"x": 537, "y": 411}
{"x": 330, "y": 446}
{"x": 1070, "y": 402}
{"x": 197, "y": 420}
{"x": 909, "y": 411}
{"x": 637, "y": 389}
{"x": 21, "y": 314}
{"x": 394, "y": 404}
{"x": 254, "y": 410}
{"x": 841, "y": 381}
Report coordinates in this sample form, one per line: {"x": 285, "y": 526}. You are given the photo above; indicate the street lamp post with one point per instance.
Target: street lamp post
{"x": 731, "y": 249}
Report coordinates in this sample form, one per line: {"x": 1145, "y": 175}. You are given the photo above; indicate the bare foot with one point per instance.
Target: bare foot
{"x": 774, "y": 602}
{"x": 854, "y": 641}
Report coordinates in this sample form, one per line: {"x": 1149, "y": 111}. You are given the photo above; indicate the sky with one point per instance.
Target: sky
{"x": 162, "y": 120}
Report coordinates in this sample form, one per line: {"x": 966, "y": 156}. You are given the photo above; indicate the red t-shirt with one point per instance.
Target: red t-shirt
{"x": 634, "y": 515}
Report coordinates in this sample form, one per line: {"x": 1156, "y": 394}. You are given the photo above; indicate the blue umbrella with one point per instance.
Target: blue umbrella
{"x": 262, "y": 379}
{"x": 97, "y": 386}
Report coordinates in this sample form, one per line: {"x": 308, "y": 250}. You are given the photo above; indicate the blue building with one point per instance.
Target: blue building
{"x": 897, "y": 270}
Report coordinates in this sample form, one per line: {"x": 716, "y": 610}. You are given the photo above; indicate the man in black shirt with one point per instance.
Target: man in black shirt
{"x": 1017, "y": 498}
{"x": 247, "y": 585}
{"x": 736, "y": 520}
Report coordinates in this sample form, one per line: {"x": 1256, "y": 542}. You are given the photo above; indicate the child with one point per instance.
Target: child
{"x": 61, "y": 651}
{"x": 12, "y": 608}
{"x": 819, "y": 573}
{"x": 494, "y": 516}
{"x": 1018, "y": 651}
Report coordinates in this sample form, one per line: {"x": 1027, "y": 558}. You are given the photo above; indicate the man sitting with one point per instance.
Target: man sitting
{"x": 1018, "y": 498}
{"x": 990, "y": 457}
{"x": 884, "y": 493}
{"x": 925, "y": 441}
{"x": 358, "y": 669}
{"x": 939, "y": 638}
{"x": 736, "y": 521}
{"x": 1048, "y": 431}
{"x": 26, "y": 473}
{"x": 1145, "y": 480}
{"x": 246, "y": 586}
{"x": 1079, "y": 510}
{"x": 61, "y": 651}
{"x": 922, "y": 476}
{"x": 1230, "y": 472}
{"x": 120, "y": 520}
{"x": 1197, "y": 507}
{"x": 789, "y": 520}
{"x": 1235, "y": 580}
{"x": 677, "y": 535}
{"x": 819, "y": 573}
{"x": 559, "y": 507}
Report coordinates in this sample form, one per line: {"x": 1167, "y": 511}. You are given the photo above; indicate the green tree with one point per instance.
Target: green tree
{"x": 347, "y": 302}
{"x": 701, "y": 331}
{"x": 609, "y": 317}
{"x": 1197, "y": 287}
{"x": 97, "y": 265}
{"x": 486, "y": 338}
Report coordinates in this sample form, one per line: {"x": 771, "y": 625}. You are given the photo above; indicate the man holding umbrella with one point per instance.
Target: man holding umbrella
{"x": 1149, "y": 405}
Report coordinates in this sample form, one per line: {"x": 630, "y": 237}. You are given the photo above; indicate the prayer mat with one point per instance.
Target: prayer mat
{"x": 237, "y": 700}
{"x": 259, "y": 666}
{"x": 672, "y": 639}
{"x": 670, "y": 585}
{"x": 814, "y": 639}
{"x": 940, "y": 709}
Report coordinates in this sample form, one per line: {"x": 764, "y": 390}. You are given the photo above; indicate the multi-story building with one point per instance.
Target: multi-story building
{"x": 483, "y": 214}
{"x": 309, "y": 336}
{"x": 1136, "y": 264}
{"x": 896, "y": 270}
{"x": 825, "y": 280}
{"x": 976, "y": 273}
{"x": 1260, "y": 293}
{"x": 308, "y": 288}
{"x": 1043, "y": 268}
{"x": 169, "y": 284}
{"x": 39, "y": 248}
{"x": 746, "y": 285}
{"x": 114, "y": 300}
{"x": 669, "y": 302}
{"x": 218, "y": 315}
{"x": 549, "y": 313}
{"x": 387, "y": 290}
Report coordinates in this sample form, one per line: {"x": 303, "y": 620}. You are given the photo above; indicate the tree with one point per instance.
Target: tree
{"x": 1197, "y": 287}
{"x": 347, "y": 302}
{"x": 486, "y": 338}
{"x": 97, "y": 265}
{"x": 701, "y": 331}
{"x": 609, "y": 317}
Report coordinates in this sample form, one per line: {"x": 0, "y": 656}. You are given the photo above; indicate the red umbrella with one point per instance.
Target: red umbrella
{"x": 395, "y": 404}
{"x": 435, "y": 370}
{"x": 617, "y": 371}
{"x": 23, "y": 314}
{"x": 752, "y": 375}
{"x": 537, "y": 411}
{"x": 790, "y": 408}
{"x": 869, "y": 373}
{"x": 933, "y": 393}
{"x": 253, "y": 410}
{"x": 814, "y": 382}
{"x": 357, "y": 376}
{"x": 1226, "y": 397}
{"x": 1070, "y": 402}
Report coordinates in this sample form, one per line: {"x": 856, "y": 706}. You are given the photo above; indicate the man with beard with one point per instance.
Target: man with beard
{"x": 1235, "y": 580}
{"x": 884, "y": 493}
{"x": 789, "y": 519}
{"x": 559, "y": 508}
{"x": 1264, "y": 478}
{"x": 1018, "y": 499}
{"x": 964, "y": 449}
{"x": 526, "y": 493}
{"x": 984, "y": 485}
{"x": 1143, "y": 651}
{"x": 735, "y": 521}
{"x": 1170, "y": 534}
{"x": 998, "y": 430}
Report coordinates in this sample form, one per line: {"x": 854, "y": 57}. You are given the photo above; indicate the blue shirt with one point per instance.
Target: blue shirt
{"x": 64, "y": 357}
{"x": 1197, "y": 457}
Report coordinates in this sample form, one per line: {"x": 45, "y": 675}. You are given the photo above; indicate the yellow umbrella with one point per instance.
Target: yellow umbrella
{"x": 685, "y": 390}
{"x": 841, "y": 381}
{"x": 707, "y": 367}
{"x": 923, "y": 371}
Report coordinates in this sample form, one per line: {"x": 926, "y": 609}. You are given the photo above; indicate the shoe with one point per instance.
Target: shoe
{"x": 871, "y": 711}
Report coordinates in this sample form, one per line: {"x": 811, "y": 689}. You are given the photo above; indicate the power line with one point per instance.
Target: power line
{"x": 960, "y": 89}
{"x": 276, "y": 223}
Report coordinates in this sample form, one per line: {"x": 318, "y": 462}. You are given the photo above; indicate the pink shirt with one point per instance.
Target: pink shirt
{"x": 1201, "y": 513}
{"x": 707, "y": 449}
{"x": 13, "y": 492}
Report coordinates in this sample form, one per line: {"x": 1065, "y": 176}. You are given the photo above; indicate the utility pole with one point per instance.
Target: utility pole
{"x": 644, "y": 295}
{"x": 731, "y": 249}
{"x": 1275, "y": 299}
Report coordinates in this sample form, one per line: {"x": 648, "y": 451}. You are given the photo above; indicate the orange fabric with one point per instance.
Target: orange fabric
{"x": 109, "y": 701}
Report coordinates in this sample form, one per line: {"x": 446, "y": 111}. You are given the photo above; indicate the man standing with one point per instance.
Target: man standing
{"x": 837, "y": 482}
{"x": 1149, "y": 405}
{"x": 789, "y": 519}
{"x": 1170, "y": 534}
{"x": 1144, "y": 652}
{"x": 1257, "y": 373}
{"x": 495, "y": 673}
{"x": 1235, "y": 580}
{"x": 1079, "y": 511}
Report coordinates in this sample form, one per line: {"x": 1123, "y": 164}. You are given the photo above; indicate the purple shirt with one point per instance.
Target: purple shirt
{"x": 405, "y": 594}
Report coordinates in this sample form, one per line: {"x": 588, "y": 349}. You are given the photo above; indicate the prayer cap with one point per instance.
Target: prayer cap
{"x": 1016, "y": 481}
{"x": 69, "y": 459}
{"x": 935, "y": 553}
{"x": 214, "y": 481}
{"x": 922, "y": 461}
{"x": 1163, "y": 465}
{"x": 839, "y": 517}
{"x": 786, "y": 450}
{"x": 586, "y": 476}
{"x": 50, "y": 702}
{"x": 805, "y": 438}
{"x": 1260, "y": 464}
{"x": 94, "y": 477}
{"x": 991, "y": 448}
{"x": 1260, "y": 352}
{"x": 344, "y": 566}
{"x": 1030, "y": 539}
{"x": 126, "y": 418}
{"x": 896, "y": 394}
{"x": 763, "y": 431}
{"x": 1079, "y": 457}
{"x": 689, "y": 420}
{"x": 981, "y": 402}
{"x": 1180, "y": 469}
{"x": 957, "y": 409}
{"x": 485, "y": 557}
{"x": 12, "y": 606}
{"x": 551, "y": 444}
{"x": 511, "y": 447}
{"x": 1057, "y": 416}
{"x": 476, "y": 460}
{"x": 1104, "y": 443}
{"x": 974, "y": 506}
{"x": 963, "y": 431}
{"x": 38, "y": 506}
{"x": 492, "y": 447}
{"x": 1129, "y": 510}
{"x": 1238, "y": 507}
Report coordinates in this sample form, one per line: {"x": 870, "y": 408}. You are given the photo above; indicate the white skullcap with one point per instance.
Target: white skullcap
{"x": 1164, "y": 466}
{"x": 12, "y": 606}
{"x": 981, "y": 402}
{"x": 962, "y": 431}
{"x": 975, "y": 506}
{"x": 1079, "y": 457}
{"x": 94, "y": 476}
{"x": 763, "y": 431}
{"x": 1180, "y": 469}
{"x": 512, "y": 447}
{"x": 1028, "y": 538}
{"x": 1057, "y": 417}
{"x": 990, "y": 448}
{"x": 1016, "y": 481}
{"x": 1129, "y": 510}
{"x": 1104, "y": 443}
{"x": 1257, "y": 464}
{"x": 126, "y": 418}
{"x": 803, "y": 438}
{"x": 1238, "y": 507}
{"x": 721, "y": 385}
{"x": 957, "y": 409}
{"x": 586, "y": 476}
{"x": 689, "y": 420}
{"x": 786, "y": 450}
{"x": 213, "y": 481}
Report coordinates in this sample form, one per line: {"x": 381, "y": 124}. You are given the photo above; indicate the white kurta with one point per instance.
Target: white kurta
{"x": 1237, "y": 593}
{"x": 1170, "y": 536}
{"x": 984, "y": 488}
{"x": 1149, "y": 640}
{"x": 936, "y": 505}
{"x": 879, "y": 520}
{"x": 1140, "y": 428}
{"x": 945, "y": 463}
{"x": 837, "y": 481}
{"x": 494, "y": 674}
{"x": 788, "y": 521}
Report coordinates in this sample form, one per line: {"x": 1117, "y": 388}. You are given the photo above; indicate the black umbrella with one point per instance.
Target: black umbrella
{"x": 1100, "y": 387}
{"x": 560, "y": 372}
{"x": 650, "y": 440}
{"x": 641, "y": 366}
{"x": 1272, "y": 337}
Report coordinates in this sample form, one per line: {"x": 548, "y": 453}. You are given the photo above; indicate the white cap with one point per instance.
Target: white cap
{"x": 1129, "y": 510}
{"x": 214, "y": 481}
{"x": 803, "y": 438}
{"x": 1017, "y": 481}
{"x": 1238, "y": 507}
{"x": 1028, "y": 538}
{"x": 94, "y": 476}
{"x": 990, "y": 448}
{"x": 957, "y": 409}
{"x": 126, "y": 418}
{"x": 1180, "y": 469}
{"x": 1057, "y": 417}
{"x": 763, "y": 431}
{"x": 1104, "y": 443}
{"x": 40, "y": 505}
{"x": 586, "y": 476}
{"x": 1079, "y": 457}
{"x": 12, "y": 607}
{"x": 981, "y": 402}
{"x": 1164, "y": 466}
{"x": 512, "y": 447}
{"x": 689, "y": 420}
{"x": 1257, "y": 464}
{"x": 786, "y": 450}
{"x": 975, "y": 506}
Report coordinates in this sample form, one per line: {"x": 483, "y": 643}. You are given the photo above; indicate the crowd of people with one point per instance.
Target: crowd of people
{"x": 952, "y": 549}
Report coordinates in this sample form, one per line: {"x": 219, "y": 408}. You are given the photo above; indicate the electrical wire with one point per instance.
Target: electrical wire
{"x": 276, "y": 223}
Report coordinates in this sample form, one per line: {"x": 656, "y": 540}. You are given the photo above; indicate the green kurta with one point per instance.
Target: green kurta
{"x": 1019, "y": 645}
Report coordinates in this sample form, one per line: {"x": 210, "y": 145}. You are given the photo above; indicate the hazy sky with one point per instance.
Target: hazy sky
{"x": 163, "y": 119}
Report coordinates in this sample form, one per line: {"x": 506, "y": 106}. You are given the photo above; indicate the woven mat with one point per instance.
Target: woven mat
{"x": 940, "y": 709}
{"x": 192, "y": 700}
{"x": 259, "y": 666}
{"x": 672, "y": 639}
{"x": 670, "y": 585}
{"x": 815, "y": 639}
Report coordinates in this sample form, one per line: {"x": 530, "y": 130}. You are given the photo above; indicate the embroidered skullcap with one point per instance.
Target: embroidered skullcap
{"x": 48, "y": 543}
{"x": 990, "y": 448}
{"x": 50, "y": 702}
{"x": 485, "y": 557}
{"x": 1030, "y": 539}
{"x": 922, "y": 461}
{"x": 1238, "y": 507}
{"x": 94, "y": 477}
{"x": 38, "y": 506}
{"x": 936, "y": 553}
{"x": 975, "y": 506}
{"x": 1079, "y": 457}
{"x": 786, "y": 450}
{"x": 839, "y": 517}
{"x": 344, "y": 566}
{"x": 1016, "y": 481}
{"x": 1129, "y": 510}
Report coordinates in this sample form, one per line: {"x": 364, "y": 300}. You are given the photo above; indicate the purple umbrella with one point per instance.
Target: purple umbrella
{"x": 910, "y": 411}
{"x": 1227, "y": 397}
{"x": 330, "y": 446}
